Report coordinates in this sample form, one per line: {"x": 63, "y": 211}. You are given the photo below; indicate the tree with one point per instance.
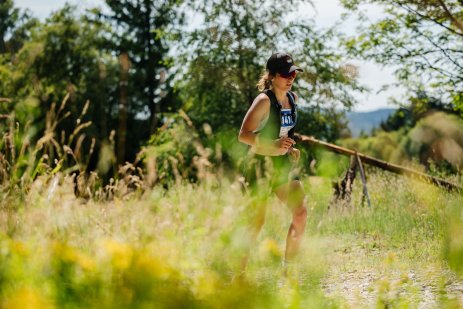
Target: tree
{"x": 143, "y": 29}
{"x": 226, "y": 55}
{"x": 14, "y": 27}
{"x": 8, "y": 18}
{"x": 423, "y": 38}
{"x": 66, "y": 55}
{"x": 420, "y": 105}
{"x": 79, "y": 55}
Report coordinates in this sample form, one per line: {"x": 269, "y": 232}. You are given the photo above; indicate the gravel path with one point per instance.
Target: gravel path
{"x": 388, "y": 284}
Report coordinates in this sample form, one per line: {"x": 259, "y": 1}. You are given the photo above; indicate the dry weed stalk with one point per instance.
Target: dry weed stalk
{"x": 47, "y": 156}
{"x": 5, "y": 100}
{"x": 201, "y": 162}
{"x": 174, "y": 164}
{"x": 3, "y": 169}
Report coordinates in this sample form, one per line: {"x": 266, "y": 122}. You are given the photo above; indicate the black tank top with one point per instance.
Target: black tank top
{"x": 271, "y": 129}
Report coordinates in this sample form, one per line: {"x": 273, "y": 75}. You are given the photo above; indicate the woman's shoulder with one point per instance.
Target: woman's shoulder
{"x": 261, "y": 104}
{"x": 262, "y": 99}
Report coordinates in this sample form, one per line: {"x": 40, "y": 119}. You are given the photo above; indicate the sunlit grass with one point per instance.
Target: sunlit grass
{"x": 155, "y": 236}
{"x": 182, "y": 247}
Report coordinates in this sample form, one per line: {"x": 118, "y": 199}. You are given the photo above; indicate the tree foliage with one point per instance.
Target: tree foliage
{"x": 226, "y": 56}
{"x": 14, "y": 27}
{"x": 65, "y": 55}
{"x": 423, "y": 38}
{"x": 143, "y": 31}
{"x": 79, "y": 54}
{"x": 420, "y": 105}
{"x": 117, "y": 67}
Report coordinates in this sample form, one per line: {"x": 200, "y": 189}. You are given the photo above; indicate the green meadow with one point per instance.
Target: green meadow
{"x": 181, "y": 247}
{"x": 121, "y": 179}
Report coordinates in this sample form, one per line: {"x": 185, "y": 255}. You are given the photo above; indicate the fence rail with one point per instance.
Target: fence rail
{"x": 383, "y": 164}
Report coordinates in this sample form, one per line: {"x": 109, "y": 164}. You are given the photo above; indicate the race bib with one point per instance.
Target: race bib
{"x": 287, "y": 122}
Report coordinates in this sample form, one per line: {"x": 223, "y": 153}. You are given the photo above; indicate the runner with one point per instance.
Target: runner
{"x": 268, "y": 128}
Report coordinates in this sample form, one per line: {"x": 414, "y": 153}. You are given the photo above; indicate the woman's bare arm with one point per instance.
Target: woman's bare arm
{"x": 256, "y": 113}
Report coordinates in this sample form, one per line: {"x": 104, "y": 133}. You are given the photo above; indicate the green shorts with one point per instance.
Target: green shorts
{"x": 271, "y": 171}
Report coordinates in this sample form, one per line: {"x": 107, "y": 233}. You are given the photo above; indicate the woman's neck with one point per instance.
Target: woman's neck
{"x": 280, "y": 94}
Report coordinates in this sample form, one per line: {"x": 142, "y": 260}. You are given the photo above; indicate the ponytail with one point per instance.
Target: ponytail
{"x": 265, "y": 81}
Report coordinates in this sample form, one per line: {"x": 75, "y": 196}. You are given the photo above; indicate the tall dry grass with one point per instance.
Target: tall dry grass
{"x": 135, "y": 243}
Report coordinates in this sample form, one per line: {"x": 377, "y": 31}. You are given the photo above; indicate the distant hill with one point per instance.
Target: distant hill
{"x": 366, "y": 121}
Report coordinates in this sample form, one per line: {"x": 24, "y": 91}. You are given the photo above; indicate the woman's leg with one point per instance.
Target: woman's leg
{"x": 253, "y": 169}
{"x": 254, "y": 229}
{"x": 293, "y": 195}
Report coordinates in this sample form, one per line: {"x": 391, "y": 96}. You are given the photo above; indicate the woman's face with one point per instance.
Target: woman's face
{"x": 284, "y": 82}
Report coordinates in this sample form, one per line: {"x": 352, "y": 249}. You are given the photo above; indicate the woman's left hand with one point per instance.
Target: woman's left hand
{"x": 295, "y": 154}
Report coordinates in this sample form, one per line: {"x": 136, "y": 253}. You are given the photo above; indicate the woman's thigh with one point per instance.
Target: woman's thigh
{"x": 291, "y": 193}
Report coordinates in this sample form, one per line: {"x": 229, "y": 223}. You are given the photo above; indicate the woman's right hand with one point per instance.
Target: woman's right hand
{"x": 284, "y": 143}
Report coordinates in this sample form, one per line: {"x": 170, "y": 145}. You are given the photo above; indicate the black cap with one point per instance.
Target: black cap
{"x": 281, "y": 63}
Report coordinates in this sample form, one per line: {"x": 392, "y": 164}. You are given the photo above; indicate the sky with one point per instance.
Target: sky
{"x": 326, "y": 13}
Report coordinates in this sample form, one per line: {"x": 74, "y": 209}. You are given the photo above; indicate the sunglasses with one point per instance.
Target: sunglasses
{"x": 288, "y": 75}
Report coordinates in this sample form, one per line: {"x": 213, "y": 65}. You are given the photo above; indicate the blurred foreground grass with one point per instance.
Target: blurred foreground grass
{"x": 180, "y": 248}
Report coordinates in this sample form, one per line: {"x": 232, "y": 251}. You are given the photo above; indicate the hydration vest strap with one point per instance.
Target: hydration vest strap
{"x": 277, "y": 108}
{"x": 273, "y": 99}
{"x": 293, "y": 112}
{"x": 292, "y": 102}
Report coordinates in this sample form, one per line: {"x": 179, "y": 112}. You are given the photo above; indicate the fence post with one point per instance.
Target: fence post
{"x": 343, "y": 191}
{"x": 364, "y": 181}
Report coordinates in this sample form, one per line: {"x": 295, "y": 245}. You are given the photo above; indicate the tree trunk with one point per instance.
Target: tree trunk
{"x": 124, "y": 63}
{"x": 2, "y": 45}
{"x": 150, "y": 68}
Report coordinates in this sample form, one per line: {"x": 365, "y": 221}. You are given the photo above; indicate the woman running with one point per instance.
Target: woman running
{"x": 268, "y": 128}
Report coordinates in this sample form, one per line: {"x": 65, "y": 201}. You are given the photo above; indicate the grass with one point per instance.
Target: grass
{"x": 181, "y": 248}
{"x": 69, "y": 242}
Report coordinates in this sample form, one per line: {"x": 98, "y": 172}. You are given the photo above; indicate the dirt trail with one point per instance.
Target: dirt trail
{"x": 364, "y": 278}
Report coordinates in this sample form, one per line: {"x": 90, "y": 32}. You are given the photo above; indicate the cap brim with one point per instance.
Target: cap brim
{"x": 295, "y": 68}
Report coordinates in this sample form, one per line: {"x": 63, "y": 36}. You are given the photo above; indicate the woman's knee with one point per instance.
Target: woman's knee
{"x": 296, "y": 185}
{"x": 300, "y": 216}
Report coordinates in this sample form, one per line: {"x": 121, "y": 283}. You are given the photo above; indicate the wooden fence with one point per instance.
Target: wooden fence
{"x": 357, "y": 159}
